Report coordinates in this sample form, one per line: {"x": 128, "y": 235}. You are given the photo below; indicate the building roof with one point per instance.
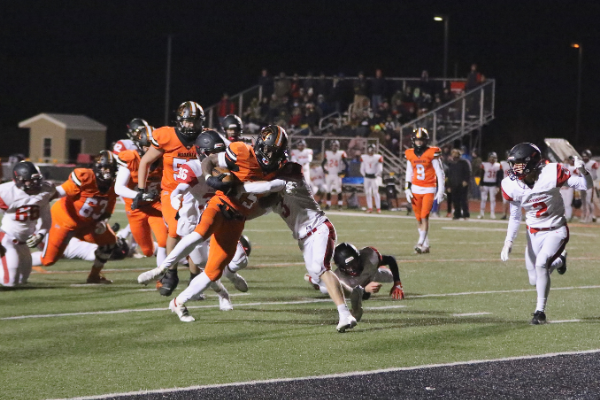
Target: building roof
{"x": 66, "y": 121}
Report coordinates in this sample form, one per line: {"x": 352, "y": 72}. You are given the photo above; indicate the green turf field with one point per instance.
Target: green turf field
{"x": 462, "y": 303}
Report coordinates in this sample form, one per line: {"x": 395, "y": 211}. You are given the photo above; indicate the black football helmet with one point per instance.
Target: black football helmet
{"x": 105, "y": 168}
{"x": 133, "y": 126}
{"x": 207, "y": 143}
{"x": 523, "y": 159}
{"x": 233, "y": 127}
{"x": 142, "y": 137}
{"x": 271, "y": 147}
{"x": 190, "y": 119}
{"x": 347, "y": 259}
{"x": 493, "y": 155}
{"x": 420, "y": 134}
{"x": 246, "y": 244}
{"x": 121, "y": 249}
{"x": 27, "y": 177}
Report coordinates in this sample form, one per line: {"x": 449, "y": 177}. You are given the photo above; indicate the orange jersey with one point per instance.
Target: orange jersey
{"x": 175, "y": 154}
{"x": 130, "y": 159}
{"x": 422, "y": 167}
{"x": 242, "y": 162}
{"x": 84, "y": 203}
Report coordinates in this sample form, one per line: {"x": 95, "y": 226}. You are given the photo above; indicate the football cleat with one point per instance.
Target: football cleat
{"x": 480, "y": 216}
{"x": 94, "y": 279}
{"x": 504, "y": 217}
{"x": 181, "y": 311}
{"x": 224, "y": 302}
{"x": 169, "y": 283}
{"x": 238, "y": 281}
{"x": 369, "y": 211}
{"x": 198, "y": 297}
{"x": 492, "y": 216}
{"x": 148, "y": 276}
{"x": 308, "y": 279}
{"x": 418, "y": 248}
{"x": 379, "y": 211}
{"x": 539, "y": 318}
{"x": 424, "y": 249}
{"x": 356, "y": 302}
{"x": 563, "y": 268}
{"x": 345, "y": 323}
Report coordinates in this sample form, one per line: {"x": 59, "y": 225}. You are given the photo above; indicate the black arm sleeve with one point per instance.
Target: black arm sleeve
{"x": 390, "y": 261}
{"x": 345, "y": 164}
{"x": 499, "y": 177}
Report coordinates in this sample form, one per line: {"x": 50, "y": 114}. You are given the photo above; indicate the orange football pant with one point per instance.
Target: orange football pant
{"x": 224, "y": 235}
{"x": 145, "y": 221}
{"x": 422, "y": 204}
{"x": 168, "y": 213}
{"x": 64, "y": 228}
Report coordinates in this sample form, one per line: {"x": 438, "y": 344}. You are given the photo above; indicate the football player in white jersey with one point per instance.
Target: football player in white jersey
{"x": 505, "y": 205}
{"x": 304, "y": 157}
{"x": 316, "y": 238}
{"x": 490, "y": 181}
{"x": 334, "y": 172}
{"x": 371, "y": 168}
{"x": 129, "y": 144}
{"x": 23, "y": 201}
{"x": 364, "y": 270}
{"x": 535, "y": 187}
{"x": 587, "y": 197}
{"x": 566, "y": 191}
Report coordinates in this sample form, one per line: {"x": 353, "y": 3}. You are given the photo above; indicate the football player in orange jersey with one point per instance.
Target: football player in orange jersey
{"x": 87, "y": 200}
{"x": 147, "y": 218}
{"x": 175, "y": 145}
{"x": 423, "y": 172}
{"x": 224, "y": 216}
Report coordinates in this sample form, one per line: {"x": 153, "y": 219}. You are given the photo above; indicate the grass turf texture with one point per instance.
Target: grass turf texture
{"x": 95, "y": 354}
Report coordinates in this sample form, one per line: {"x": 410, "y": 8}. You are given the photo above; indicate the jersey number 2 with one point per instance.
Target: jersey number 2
{"x": 543, "y": 208}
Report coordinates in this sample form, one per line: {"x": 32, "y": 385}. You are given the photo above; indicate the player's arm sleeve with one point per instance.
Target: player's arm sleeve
{"x": 345, "y": 161}
{"x": 323, "y": 163}
{"x": 390, "y": 261}
{"x": 123, "y": 176}
{"x": 499, "y": 176}
{"x": 514, "y": 221}
{"x": 182, "y": 188}
{"x": 439, "y": 173}
{"x": 379, "y": 167}
{"x": 310, "y": 156}
{"x": 45, "y": 218}
{"x": 362, "y": 167}
{"x": 409, "y": 174}
{"x": 264, "y": 187}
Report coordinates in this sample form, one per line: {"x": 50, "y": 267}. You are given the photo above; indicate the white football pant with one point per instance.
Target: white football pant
{"x": 16, "y": 264}
{"x": 317, "y": 250}
{"x": 333, "y": 183}
{"x": 372, "y": 190}
{"x": 491, "y": 192}
{"x": 567, "y": 195}
{"x": 587, "y": 200}
{"x": 541, "y": 258}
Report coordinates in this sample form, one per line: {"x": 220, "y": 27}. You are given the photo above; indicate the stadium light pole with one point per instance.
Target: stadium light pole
{"x": 579, "y": 47}
{"x": 168, "y": 80}
{"x": 445, "y": 19}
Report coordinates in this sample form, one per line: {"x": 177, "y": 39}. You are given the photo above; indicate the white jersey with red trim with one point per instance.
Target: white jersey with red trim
{"x": 124, "y": 144}
{"x": 22, "y": 211}
{"x": 299, "y": 209}
{"x": 334, "y": 164}
{"x": 490, "y": 170}
{"x": 592, "y": 167}
{"x": 303, "y": 157}
{"x": 371, "y": 260}
{"x": 371, "y": 165}
{"x": 543, "y": 204}
{"x": 196, "y": 197}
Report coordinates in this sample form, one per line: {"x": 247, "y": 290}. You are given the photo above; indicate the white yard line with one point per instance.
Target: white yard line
{"x": 471, "y": 314}
{"x": 287, "y": 303}
{"x": 564, "y": 321}
{"x": 466, "y": 228}
{"x": 342, "y": 375}
{"x": 384, "y": 307}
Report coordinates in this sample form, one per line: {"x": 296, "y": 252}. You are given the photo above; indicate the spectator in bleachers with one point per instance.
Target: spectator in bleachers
{"x": 425, "y": 84}
{"x": 356, "y": 147}
{"x": 361, "y": 90}
{"x": 378, "y": 89}
{"x": 473, "y": 79}
{"x": 311, "y": 117}
{"x": 282, "y": 85}
{"x": 295, "y": 87}
{"x": 225, "y": 107}
{"x": 309, "y": 82}
{"x": 323, "y": 86}
{"x": 266, "y": 81}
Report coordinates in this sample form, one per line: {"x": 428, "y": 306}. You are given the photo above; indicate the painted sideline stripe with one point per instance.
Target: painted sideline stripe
{"x": 466, "y": 228}
{"x": 384, "y": 307}
{"x": 340, "y": 375}
{"x": 471, "y": 314}
{"x": 160, "y": 309}
{"x": 500, "y": 291}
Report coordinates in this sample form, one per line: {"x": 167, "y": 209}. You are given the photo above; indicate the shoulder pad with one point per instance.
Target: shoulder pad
{"x": 82, "y": 176}
{"x": 160, "y": 136}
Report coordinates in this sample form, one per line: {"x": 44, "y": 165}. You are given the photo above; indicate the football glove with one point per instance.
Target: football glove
{"x": 397, "y": 293}
{"x": 34, "y": 240}
{"x": 440, "y": 197}
{"x": 176, "y": 201}
{"x": 409, "y": 195}
{"x": 216, "y": 182}
{"x": 143, "y": 197}
{"x": 506, "y": 250}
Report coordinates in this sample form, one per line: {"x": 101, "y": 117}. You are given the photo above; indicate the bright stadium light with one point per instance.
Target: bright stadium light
{"x": 438, "y": 18}
{"x": 445, "y": 19}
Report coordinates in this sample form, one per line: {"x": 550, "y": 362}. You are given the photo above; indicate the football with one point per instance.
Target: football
{"x": 229, "y": 177}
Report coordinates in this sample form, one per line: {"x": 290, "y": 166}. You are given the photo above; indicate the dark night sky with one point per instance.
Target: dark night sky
{"x": 107, "y": 59}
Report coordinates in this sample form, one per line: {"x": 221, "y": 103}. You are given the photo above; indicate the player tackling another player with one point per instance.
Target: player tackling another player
{"x": 424, "y": 183}
{"x": 535, "y": 187}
